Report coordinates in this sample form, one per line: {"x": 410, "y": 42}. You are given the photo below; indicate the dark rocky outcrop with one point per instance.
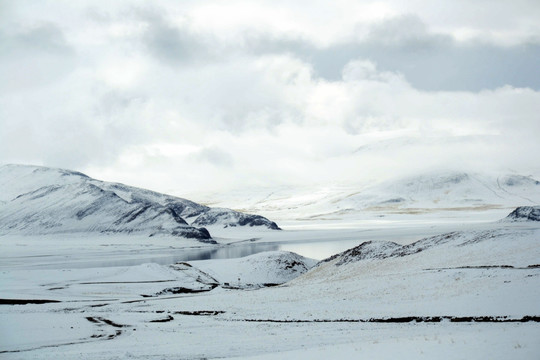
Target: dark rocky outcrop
{"x": 231, "y": 218}
{"x": 524, "y": 213}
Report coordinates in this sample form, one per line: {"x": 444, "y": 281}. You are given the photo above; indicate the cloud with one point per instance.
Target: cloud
{"x": 163, "y": 97}
{"x": 33, "y": 56}
{"x": 429, "y": 60}
{"x": 404, "y": 31}
{"x": 215, "y": 156}
{"x": 173, "y": 44}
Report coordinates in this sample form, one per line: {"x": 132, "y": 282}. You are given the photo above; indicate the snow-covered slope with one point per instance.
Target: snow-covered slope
{"x": 39, "y": 200}
{"x": 262, "y": 269}
{"x": 493, "y": 272}
{"x": 463, "y": 294}
{"x": 497, "y": 247}
{"x": 471, "y": 248}
{"x": 228, "y": 218}
{"x": 451, "y": 192}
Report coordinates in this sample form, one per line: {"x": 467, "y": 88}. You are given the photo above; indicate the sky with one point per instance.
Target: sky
{"x": 193, "y": 96}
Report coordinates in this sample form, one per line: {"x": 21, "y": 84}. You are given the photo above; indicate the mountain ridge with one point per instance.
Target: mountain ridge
{"x": 448, "y": 191}
{"x": 41, "y": 200}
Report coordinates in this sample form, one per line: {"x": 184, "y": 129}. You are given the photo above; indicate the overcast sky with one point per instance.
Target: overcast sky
{"x": 191, "y": 96}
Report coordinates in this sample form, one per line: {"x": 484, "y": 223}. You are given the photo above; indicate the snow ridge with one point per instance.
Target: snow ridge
{"x": 386, "y": 249}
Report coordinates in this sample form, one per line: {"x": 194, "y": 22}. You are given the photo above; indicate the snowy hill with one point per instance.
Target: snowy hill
{"x": 488, "y": 272}
{"x": 452, "y": 190}
{"x": 262, "y": 269}
{"x": 39, "y": 200}
{"x": 496, "y": 247}
{"x": 447, "y": 193}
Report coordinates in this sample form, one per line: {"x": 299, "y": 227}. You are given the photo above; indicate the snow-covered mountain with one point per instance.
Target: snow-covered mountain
{"x": 444, "y": 191}
{"x": 40, "y": 200}
{"x": 449, "y": 190}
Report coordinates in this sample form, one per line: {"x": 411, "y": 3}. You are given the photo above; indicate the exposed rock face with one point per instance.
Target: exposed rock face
{"x": 38, "y": 200}
{"x": 524, "y": 213}
{"x": 366, "y": 250}
{"x": 519, "y": 180}
{"x": 231, "y": 218}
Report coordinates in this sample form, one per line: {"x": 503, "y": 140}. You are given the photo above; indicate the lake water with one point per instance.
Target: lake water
{"x": 313, "y": 244}
{"x": 315, "y": 249}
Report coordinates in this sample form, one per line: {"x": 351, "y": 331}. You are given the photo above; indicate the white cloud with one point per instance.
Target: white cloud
{"x": 165, "y": 98}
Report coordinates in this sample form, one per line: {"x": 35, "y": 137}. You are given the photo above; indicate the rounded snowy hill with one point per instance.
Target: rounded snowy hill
{"x": 39, "y": 200}
{"x": 489, "y": 272}
{"x": 262, "y": 269}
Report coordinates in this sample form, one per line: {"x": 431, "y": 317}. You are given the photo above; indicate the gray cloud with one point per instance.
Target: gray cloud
{"x": 42, "y": 38}
{"x": 429, "y": 61}
{"x": 207, "y": 99}
{"x": 173, "y": 44}
{"x": 214, "y": 156}
{"x": 406, "y": 32}
{"x": 33, "y": 56}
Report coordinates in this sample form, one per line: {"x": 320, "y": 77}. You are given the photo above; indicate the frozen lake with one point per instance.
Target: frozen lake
{"x": 71, "y": 252}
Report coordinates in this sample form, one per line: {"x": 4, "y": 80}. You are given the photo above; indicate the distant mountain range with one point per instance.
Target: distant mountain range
{"x": 39, "y": 200}
{"x": 420, "y": 194}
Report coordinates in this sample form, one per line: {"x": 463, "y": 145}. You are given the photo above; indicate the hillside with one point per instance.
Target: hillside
{"x": 445, "y": 193}
{"x": 39, "y": 200}
{"x": 262, "y": 269}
